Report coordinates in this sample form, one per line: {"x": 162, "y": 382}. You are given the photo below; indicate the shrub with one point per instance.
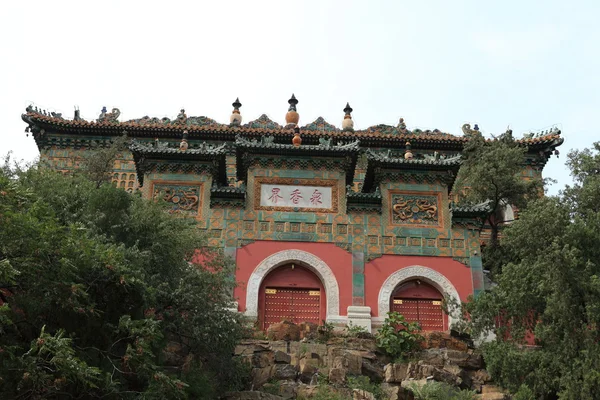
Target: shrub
{"x": 440, "y": 391}
{"x": 355, "y": 330}
{"x": 364, "y": 383}
{"x": 398, "y": 337}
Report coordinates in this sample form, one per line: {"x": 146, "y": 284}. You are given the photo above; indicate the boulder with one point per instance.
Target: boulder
{"x": 351, "y": 360}
{"x": 493, "y": 396}
{"x": 369, "y": 355}
{"x": 263, "y": 359}
{"x": 478, "y": 378}
{"x": 308, "y": 369}
{"x": 373, "y": 370}
{"x": 395, "y": 373}
{"x": 408, "y": 384}
{"x": 308, "y": 365}
{"x": 468, "y": 359}
{"x": 285, "y": 330}
{"x": 442, "y": 375}
{"x": 492, "y": 392}
{"x": 466, "y": 382}
{"x": 442, "y": 340}
{"x": 310, "y": 350}
{"x": 396, "y": 392}
{"x": 285, "y": 389}
{"x": 260, "y": 376}
{"x": 360, "y": 394}
{"x": 284, "y": 372}
{"x": 282, "y": 358}
{"x": 337, "y": 375}
{"x": 251, "y": 395}
{"x": 435, "y": 357}
{"x": 288, "y": 390}
{"x": 418, "y": 371}
{"x": 306, "y": 391}
{"x": 308, "y": 330}
{"x": 249, "y": 347}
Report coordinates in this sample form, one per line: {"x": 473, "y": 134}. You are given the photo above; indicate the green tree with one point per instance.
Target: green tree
{"x": 492, "y": 172}
{"x": 106, "y": 295}
{"x": 550, "y": 287}
{"x": 98, "y": 164}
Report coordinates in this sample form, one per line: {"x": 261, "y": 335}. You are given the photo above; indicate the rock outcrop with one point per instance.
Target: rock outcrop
{"x": 288, "y": 369}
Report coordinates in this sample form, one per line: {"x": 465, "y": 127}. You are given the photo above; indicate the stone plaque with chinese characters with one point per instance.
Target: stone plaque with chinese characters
{"x": 292, "y": 196}
{"x": 417, "y": 209}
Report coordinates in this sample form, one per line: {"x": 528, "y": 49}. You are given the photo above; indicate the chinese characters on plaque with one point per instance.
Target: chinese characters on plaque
{"x": 295, "y": 196}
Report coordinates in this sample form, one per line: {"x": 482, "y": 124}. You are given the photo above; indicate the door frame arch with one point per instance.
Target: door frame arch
{"x": 431, "y": 276}
{"x": 305, "y": 259}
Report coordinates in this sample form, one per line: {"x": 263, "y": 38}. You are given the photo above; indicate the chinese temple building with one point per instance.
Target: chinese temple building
{"x": 324, "y": 223}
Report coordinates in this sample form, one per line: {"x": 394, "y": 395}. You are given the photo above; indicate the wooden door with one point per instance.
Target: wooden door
{"x": 427, "y": 312}
{"x": 294, "y": 305}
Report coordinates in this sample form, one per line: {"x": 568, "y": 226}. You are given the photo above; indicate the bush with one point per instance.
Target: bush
{"x": 440, "y": 391}
{"x": 105, "y": 294}
{"x": 398, "y": 337}
{"x": 364, "y": 383}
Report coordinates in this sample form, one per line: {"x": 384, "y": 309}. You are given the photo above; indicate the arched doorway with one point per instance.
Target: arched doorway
{"x": 291, "y": 292}
{"x": 420, "y": 302}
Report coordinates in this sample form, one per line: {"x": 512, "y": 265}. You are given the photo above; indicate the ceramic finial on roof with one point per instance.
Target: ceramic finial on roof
{"x": 347, "y": 123}
{"x": 408, "y": 154}
{"x": 183, "y": 146}
{"x": 182, "y": 117}
{"x": 468, "y": 131}
{"x": 401, "y": 124}
{"x": 236, "y": 118}
{"x": 292, "y": 116}
{"x": 296, "y": 140}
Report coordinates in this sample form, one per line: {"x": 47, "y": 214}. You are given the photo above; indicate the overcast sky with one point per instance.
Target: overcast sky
{"x": 438, "y": 64}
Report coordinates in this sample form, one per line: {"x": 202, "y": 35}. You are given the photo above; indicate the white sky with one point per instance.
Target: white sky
{"x": 438, "y": 64}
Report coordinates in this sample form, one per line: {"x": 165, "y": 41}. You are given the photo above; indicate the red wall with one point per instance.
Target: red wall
{"x": 378, "y": 270}
{"x": 339, "y": 260}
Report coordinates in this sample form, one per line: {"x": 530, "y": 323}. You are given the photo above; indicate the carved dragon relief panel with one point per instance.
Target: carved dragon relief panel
{"x": 414, "y": 208}
{"x": 182, "y": 198}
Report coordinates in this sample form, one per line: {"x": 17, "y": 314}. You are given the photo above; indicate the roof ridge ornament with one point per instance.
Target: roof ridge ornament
{"x": 466, "y": 128}
{"x": 408, "y": 154}
{"x": 320, "y": 125}
{"x": 236, "y": 118}
{"x": 325, "y": 142}
{"x": 181, "y": 117}
{"x": 263, "y": 122}
{"x": 347, "y": 123}
{"x": 106, "y": 116}
{"x": 296, "y": 140}
{"x": 401, "y": 125}
{"x": 292, "y": 117}
{"x": 183, "y": 146}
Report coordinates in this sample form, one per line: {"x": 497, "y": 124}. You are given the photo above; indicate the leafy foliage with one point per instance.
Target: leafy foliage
{"x": 433, "y": 390}
{"x": 324, "y": 392}
{"x": 364, "y": 383}
{"x": 355, "y": 330}
{"x": 106, "y": 295}
{"x": 492, "y": 173}
{"x": 549, "y": 287}
{"x": 98, "y": 164}
{"x": 398, "y": 337}
{"x": 325, "y": 332}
